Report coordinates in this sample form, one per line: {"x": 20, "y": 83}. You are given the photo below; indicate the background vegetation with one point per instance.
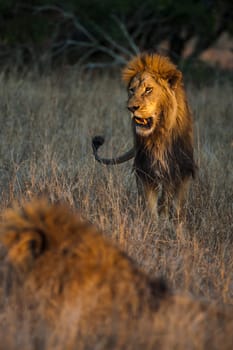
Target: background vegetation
{"x": 106, "y": 32}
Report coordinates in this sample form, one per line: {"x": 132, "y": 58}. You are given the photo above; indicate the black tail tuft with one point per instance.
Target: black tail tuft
{"x": 97, "y": 141}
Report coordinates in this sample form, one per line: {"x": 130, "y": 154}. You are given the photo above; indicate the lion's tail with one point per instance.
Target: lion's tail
{"x": 98, "y": 141}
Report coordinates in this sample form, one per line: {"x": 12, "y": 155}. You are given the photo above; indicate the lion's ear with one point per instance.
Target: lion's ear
{"x": 36, "y": 244}
{"x": 173, "y": 78}
{"x": 23, "y": 248}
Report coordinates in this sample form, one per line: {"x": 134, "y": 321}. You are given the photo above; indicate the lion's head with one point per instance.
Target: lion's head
{"x": 154, "y": 85}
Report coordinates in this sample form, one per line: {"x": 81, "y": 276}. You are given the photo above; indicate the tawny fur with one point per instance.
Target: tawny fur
{"x": 56, "y": 254}
{"x": 163, "y": 133}
{"x": 83, "y": 292}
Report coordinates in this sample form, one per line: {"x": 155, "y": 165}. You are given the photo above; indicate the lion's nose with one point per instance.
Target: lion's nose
{"x": 133, "y": 108}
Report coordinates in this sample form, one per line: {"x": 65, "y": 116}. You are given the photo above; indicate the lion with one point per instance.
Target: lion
{"x": 78, "y": 290}
{"x": 163, "y": 133}
{"x": 63, "y": 260}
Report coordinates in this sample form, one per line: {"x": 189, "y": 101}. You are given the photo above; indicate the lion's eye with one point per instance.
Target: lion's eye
{"x": 131, "y": 91}
{"x": 148, "y": 90}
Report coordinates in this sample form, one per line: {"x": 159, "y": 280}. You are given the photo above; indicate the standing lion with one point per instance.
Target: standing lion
{"x": 163, "y": 133}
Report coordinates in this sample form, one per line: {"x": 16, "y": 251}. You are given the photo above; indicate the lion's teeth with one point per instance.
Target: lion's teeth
{"x": 141, "y": 121}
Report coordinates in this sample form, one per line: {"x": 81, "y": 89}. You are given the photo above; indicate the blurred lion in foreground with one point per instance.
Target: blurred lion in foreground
{"x": 162, "y": 130}
{"x": 78, "y": 290}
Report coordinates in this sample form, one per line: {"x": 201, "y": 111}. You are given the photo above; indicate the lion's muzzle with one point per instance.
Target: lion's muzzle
{"x": 145, "y": 123}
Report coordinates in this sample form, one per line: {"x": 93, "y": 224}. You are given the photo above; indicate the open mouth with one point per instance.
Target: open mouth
{"x": 145, "y": 123}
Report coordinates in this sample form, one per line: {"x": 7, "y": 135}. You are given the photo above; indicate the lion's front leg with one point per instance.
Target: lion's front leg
{"x": 171, "y": 201}
{"x": 148, "y": 197}
{"x": 165, "y": 207}
{"x": 152, "y": 195}
{"x": 179, "y": 198}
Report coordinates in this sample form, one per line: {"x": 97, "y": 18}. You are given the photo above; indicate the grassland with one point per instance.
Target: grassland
{"x": 47, "y": 123}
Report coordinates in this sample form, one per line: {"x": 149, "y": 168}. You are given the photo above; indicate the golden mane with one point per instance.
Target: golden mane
{"x": 157, "y": 65}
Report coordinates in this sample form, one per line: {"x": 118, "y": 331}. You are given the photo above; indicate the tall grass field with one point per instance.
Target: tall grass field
{"x": 47, "y": 123}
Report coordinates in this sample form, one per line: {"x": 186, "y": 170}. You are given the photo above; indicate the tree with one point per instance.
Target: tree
{"x": 109, "y": 32}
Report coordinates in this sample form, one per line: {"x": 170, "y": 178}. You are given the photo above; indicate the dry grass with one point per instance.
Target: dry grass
{"x": 46, "y": 129}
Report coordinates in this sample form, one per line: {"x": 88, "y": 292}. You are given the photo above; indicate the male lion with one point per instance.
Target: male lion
{"x": 163, "y": 132}
{"x": 75, "y": 290}
{"x": 63, "y": 262}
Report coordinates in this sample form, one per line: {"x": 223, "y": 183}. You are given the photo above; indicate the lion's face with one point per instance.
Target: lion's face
{"x": 146, "y": 101}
